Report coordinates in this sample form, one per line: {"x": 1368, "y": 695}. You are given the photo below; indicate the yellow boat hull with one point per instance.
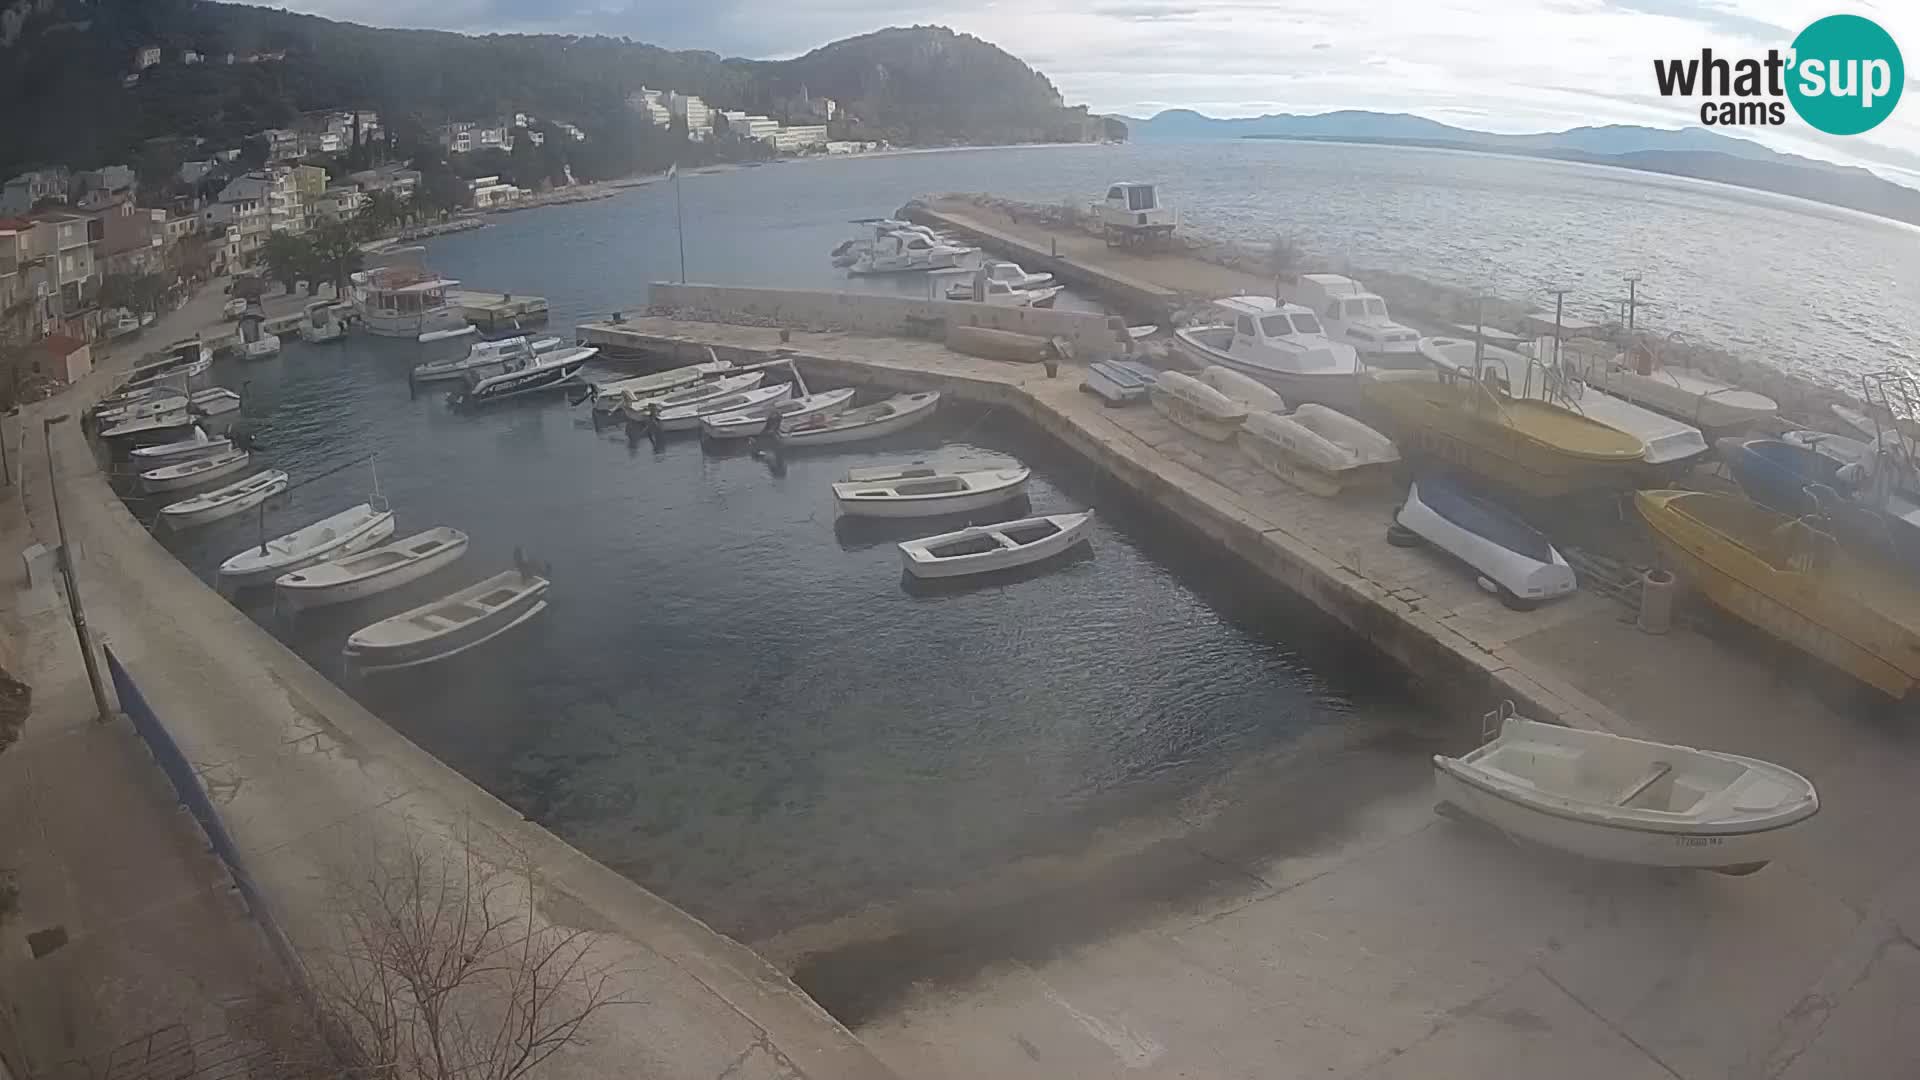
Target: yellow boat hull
{"x": 1741, "y": 557}
{"x": 1466, "y": 427}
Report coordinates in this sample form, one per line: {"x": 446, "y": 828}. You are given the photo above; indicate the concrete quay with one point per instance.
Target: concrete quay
{"x": 311, "y": 785}
{"x": 1396, "y": 944}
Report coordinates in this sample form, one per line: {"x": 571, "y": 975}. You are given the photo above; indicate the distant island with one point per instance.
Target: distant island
{"x": 1690, "y": 152}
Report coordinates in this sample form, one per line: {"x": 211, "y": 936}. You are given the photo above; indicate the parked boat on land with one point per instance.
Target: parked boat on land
{"x": 213, "y": 401}
{"x": 353, "y": 529}
{"x": 199, "y": 470}
{"x": 371, "y": 572}
{"x": 755, "y": 402}
{"x": 926, "y": 491}
{"x": 196, "y": 444}
{"x": 1249, "y": 392}
{"x": 1282, "y": 345}
{"x": 980, "y": 549}
{"x": 1527, "y": 446}
{"x": 754, "y": 421}
{"x": 1515, "y": 561}
{"x": 642, "y": 408}
{"x": 1604, "y": 796}
{"x": 1196, "y": 406}
{"x": 517, "y": 375}
{"x": 1354, "y": 316}
{"x": 610, "y": 396}
{"x": 449, "y": 626}
{"x": 1119, "y": 382}
{"x": 1794, "y": 582}
{"x": 224, "y": 502}
{"x": 896, "y": 413}
{"x": 322, "y": 324}
{"x": 1842, "y": 449}
{"x": 483, "y": 354}
{"x": 1318, "y": 449}
{"x": 1697, "y": 398}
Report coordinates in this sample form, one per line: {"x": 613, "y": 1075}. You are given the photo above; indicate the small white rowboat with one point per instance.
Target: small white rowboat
{"x": 450, "y": 625}
{"x": 924, "y": 491}
{"x": 1626, "y": 800}
{"x": 353, "y": 529}
{"x": 640, "y": 407}
{"x": 609, "y": 396}
{"x": 197, "y": 471}
{"x": 235, "y": 498}
{"x": 897, "y": 413}
{"x": 748, "y": 403}
{"x": 1196, "y": 406}
{"x": 1244, "y": 389}
{"x": 1317, "y": 449}
{"x": 196, "y": 445}
{"x": 980, "y": 549}
{"x": 214, "y": 401}
{"x": 373, "y": 571}
{"x": 737, "y": 425}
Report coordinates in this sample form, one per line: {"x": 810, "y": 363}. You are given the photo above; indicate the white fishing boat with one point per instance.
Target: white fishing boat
{"x": 743, "y": 425}
{"x": 199, "y": 470}
{"x": 980, "y": 549}
{"x": 149, "y": 426}
{"x": 1689, "y": 395}
{"x": 196, "y": 444}
{"x": 255, "y": 342}
{"x": 1318, "y": 449}
{"x": 371, "y": 572}
{"x": 151, "y": 404}
{"x": 213, "y": 401}
{"x": 750, "y": 403}
{"x": 641, "y": 408}
{"x": 1352, "y": 314}
{"x": 233, "y": 309}
{"x": 1608, "y": 797}
{"x": 235, "y": 498}
{"x": 517, "y": 375}
{"x": 610, "y": 396}
{"x": 896, "y": 413}
{"x": 1514, "y": 560}
{"x": 1001, "y": 294}
{"x": 1281, "y": 345}
{"x": 1196, "y": 406}
{"x": 483, "y": 354}
{"x": 900, "y": 251}
{"x": 322, "y": 323}
{"x": 354, "y": 529}
{"x": 926, "y": 491}
{"x": 180, "y": 361}
{"x": 406, "y": 300}
{"x": 450, "y": 625}
{"x": 1119, "y": 382}
{"x": 1248, "y": 392}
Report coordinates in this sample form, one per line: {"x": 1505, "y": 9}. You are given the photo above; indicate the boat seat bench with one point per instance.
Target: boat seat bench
{"x": 1639, "y": 787}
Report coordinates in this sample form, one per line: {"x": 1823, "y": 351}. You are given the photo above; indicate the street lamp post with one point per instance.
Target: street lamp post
{"x": 66, "y": 576}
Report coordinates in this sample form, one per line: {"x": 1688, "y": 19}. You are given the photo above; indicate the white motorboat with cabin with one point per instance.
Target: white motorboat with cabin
{"x": 450, "y": 625}
{"x": 517, "y": 375}
{"x": 255, "y": 342}
{"x": 322, "y": 323}
{"x": 196, "y": 444}
{"x": 900, "y": 251}
{"x": 610, "y": 396}
{"x": 908, "y": 491}
{"x": 354, "y": 529}
{"x": 744, "y": 425}
{"x": 199, "y": 470}
{"x": 1317, "y": 449}
{"x": 1281, "y": 345}
{"x": 881, "y": 418}
{"x": 1196, "y": 406}
{"x": 213, "y": 401}
{"x": 404, "y": 299}
{"x": 237, "y": 497}
{"x": 1351, "y": 314}
{"x": 756, "y": 402}
{"x": 642, "y": 408}
{"x": 1000, "y": 294}
{"x": 1009, "y": 274}
{"x": 1608, "y": 797}
{"x": 371, "y": 572}
{"x": 981, "y": 549}
{"x": 480, "y": 355}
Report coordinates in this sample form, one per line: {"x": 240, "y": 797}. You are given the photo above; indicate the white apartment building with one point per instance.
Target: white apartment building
{"x": 698, "y": 115}
{"x": 465, "y": 136}
{"x": 790, "y": 140}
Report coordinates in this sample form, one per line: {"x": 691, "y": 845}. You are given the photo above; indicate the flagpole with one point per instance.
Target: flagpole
{"x": 679, "y": 224}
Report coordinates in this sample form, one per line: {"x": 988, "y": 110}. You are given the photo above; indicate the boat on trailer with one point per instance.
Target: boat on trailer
{"x": 981, "y": 549}
{"x": 926, "y": 491}
{"x": 1608, "y": 797}
{"x": 371, "y": 572}
{"x": 449, "y": 626}
{"x": 353, "y": 529}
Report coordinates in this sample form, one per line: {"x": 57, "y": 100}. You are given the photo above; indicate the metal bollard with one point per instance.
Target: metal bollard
{"x": 1656, "y": 601}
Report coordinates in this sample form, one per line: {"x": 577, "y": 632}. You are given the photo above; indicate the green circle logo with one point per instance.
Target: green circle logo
{"x": 1846, "y": 75}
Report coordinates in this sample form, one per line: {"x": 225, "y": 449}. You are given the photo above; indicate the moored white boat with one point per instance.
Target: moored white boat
{"x": 196, "y": 444}
{"x": 526, "y": 374}
{"x": 896, "y": 413}
{"x": 742, "y": 425}
{"x": 350, "y": 530}
{"x": 322, "y": 323}
{"x": 140, "y": 408}
{"x": 754, "y": 402}
{"x": 926, "y": 491}
{"x": 1249, "y": 392}
{"x": 1321, "y": 450}
{"x": 406, "y": 300}
{"x": 371, "y": 572}
{"x": 643, "y": 407}
{"x": 199, "y": 470}
{"x": 255, "y": 342}
{"x": 1608, "y": 797}
{"x": 482, "y": 354}
{"x": 980, "y": 549}
{"x": 610, "y": 396}
{"x": 213, "y": 401}
{"x": 1196, "y": 406}
{"x": 224, "y": 502}
{"x": 450, "y": 625}
{"x": 149, "y": 426}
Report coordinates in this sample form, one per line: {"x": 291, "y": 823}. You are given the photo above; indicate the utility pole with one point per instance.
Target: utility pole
{"x": 1559, "y": 304}
{"x": 66, "y": 576}
{"x": 1633, "y": 298}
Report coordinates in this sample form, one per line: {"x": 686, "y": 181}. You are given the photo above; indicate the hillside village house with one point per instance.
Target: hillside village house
{"x": 466, "y": 136}
{"x": 489, "y": 191}
{"x": 53, "y": 257}
{"x": 335, "y": 204}
{"x": 22, "y": 193}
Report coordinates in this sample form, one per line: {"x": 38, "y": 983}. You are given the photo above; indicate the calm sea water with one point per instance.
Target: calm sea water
{"x": 737, "y": 701}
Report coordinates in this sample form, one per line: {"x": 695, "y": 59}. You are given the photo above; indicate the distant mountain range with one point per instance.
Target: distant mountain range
{"x": 1693, "y": 152}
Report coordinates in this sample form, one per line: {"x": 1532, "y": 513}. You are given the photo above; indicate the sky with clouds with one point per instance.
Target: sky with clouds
{"x": 1497, "y": 65}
